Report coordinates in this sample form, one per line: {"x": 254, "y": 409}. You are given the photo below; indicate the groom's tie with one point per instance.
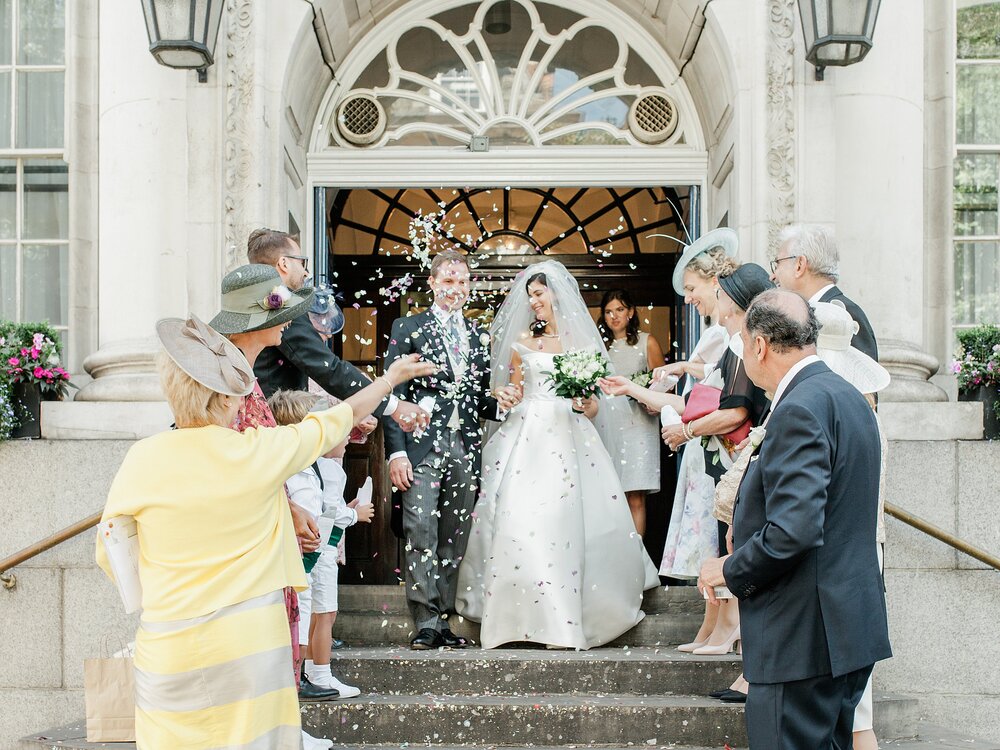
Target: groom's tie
{"x": 456, "y": 336}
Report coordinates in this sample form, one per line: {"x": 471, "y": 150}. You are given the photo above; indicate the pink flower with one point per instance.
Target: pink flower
{"x": 14, "y": 361}
{"x": 38, "y": 340}
{"x": 956, "y": 367}
{"x": 24, "y": 352}
{"x": 39, "y": 372}
{"x": 35, "y": 353}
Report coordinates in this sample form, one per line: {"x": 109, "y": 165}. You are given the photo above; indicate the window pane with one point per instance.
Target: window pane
{"x": 6, "y": 8}
{"x": 8, "y": 282}
{"x": 39, "y": 110}
{"x": 5, "y": 109}
{"x": 46, "y": 203}
{"x": 977, "y": 282}
{"x": 977, "y": 31}
{"x": 977, "y": 115}
{"x": 41, "y": 34}
{"x": 976, "y": 177}
{"x": 8, "y": 198}
{"x": 45, "y": 283}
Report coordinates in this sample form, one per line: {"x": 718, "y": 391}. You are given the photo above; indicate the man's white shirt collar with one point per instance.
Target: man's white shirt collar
{"x": 819, "y": 295}
{"x": 790, "y": 376}
{"x": 445, "y": 316}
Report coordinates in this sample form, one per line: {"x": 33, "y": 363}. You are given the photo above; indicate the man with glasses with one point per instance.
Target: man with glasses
{"x": 807, "y": 263}
{"x": 303, "y": 354}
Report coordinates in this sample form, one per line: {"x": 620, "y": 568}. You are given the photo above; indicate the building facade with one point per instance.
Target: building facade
{"x": 158, "y": 177}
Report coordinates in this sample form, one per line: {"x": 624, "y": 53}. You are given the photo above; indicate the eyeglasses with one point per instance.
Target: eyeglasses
{"x": 776, "y": 261}
{"x": 303, "y": 259}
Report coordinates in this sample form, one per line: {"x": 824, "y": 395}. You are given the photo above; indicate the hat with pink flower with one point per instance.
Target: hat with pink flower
{"x": 254, "y": 298}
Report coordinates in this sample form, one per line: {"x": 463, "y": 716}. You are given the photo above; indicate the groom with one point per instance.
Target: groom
{"x": 438, "y": 469}
{"x": 812, "y": 607}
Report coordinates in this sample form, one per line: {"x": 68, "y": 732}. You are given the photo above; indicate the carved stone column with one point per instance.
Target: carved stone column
{"x": 911, "y": 369}
{"x": 142, "y": 231}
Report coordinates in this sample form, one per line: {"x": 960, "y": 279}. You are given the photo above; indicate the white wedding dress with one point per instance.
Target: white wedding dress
{"x": 553, "y": 556}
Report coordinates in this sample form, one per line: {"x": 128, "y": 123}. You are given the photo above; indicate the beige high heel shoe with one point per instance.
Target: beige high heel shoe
{"x": 688, "y": 648}
{"x": 730, "y": 643}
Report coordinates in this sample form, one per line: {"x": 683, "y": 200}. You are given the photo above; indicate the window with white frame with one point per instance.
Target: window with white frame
{"x": 977, "y": 164}
{"x": 34, "y": 190}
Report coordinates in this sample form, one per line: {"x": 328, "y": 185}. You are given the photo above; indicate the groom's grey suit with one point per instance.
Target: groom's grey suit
{"x": 812, "y": 607}
{"x": 445, "y": 457}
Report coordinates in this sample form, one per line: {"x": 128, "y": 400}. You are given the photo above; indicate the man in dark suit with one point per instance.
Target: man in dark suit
{"x": 303, "y": 354}
{"x": 807, "y": 262}
{"x": 804, "y": 565}
{"x": 438, "y": 468}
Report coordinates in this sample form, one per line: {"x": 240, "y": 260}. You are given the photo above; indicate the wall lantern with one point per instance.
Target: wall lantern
{"x": 183, "y": 33}
{"x": 837, "y": 32}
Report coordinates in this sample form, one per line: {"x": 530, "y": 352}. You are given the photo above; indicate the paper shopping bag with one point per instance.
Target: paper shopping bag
{"x": 109, "y": 695}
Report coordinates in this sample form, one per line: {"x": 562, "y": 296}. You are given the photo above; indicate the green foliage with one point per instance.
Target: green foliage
{"x": 14, "y": 337}
{"x": 978, "y": 361}
{"x": 978, "y": 32}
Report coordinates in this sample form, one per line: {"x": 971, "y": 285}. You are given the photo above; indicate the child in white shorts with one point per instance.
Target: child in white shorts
{"x": 324, "y": 575}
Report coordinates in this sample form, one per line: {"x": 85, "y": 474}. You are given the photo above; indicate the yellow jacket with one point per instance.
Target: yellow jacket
{"x": 212, "y": 514}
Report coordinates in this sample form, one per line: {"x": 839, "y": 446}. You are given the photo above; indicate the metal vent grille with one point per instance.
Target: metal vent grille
{"x": 652, "y": 118}
{"x": 361, "y": 119}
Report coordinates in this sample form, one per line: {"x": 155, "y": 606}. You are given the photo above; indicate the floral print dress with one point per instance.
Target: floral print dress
{"x": 254, "y": 412}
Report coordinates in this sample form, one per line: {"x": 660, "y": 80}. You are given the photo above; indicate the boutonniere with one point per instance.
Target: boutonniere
{"x": 484, "y": 339}
{"x": 757, "y": 435}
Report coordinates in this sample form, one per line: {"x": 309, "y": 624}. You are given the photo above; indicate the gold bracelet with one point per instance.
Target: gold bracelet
{"x": 388, "y": 383}
{"x": 688, "y": 431}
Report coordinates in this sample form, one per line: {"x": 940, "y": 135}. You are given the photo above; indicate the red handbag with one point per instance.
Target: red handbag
{"x": 702, "y": 401}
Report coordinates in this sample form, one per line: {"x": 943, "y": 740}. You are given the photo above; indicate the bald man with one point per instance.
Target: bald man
{"x": 812, "y": 606}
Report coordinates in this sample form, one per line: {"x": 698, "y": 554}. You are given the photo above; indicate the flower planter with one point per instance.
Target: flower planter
{"x": 28, "y": 400}
{"x": 991, "y": 418}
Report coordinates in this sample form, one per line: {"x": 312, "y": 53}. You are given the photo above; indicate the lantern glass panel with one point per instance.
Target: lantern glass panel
{"x": 180, "y": 57}
{"x": 849, "y": 17}
{"x": 214, "y": 19}
{"x": 173, "y": 18}
{"x": 199, "y": 19}
{"x": 808, "y": 18}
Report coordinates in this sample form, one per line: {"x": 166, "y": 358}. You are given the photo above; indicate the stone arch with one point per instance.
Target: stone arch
{"x": 694, "y": 46}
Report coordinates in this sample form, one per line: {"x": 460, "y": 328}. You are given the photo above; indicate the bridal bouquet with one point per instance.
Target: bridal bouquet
{"x": 576, "y": 373}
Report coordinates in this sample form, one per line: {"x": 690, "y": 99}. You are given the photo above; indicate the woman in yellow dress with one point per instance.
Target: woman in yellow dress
{"x": 217, "y": 548}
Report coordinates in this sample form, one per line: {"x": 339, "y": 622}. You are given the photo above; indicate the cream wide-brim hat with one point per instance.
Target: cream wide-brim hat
{"x": 833, "y": 346}
{"x": 206, "y": 355}
{"x": 723, "y": 238}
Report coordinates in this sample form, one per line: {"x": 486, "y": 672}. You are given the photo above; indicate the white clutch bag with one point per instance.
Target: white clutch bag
{"x": 120, "y": 536}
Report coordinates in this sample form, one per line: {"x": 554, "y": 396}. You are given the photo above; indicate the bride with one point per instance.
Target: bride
{"x": 553, "y": 556}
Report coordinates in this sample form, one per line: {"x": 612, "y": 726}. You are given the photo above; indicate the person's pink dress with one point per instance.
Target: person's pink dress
{"x": 254, "y": 412}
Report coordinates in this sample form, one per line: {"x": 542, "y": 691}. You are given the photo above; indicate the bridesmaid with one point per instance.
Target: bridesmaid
{"x": 633, "y": 352}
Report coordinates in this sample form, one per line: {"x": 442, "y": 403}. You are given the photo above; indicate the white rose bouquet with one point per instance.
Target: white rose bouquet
{"x": 576, "y": 373}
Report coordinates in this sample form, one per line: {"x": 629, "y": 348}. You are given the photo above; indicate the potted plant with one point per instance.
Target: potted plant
{"x": 31, "y": 373}
{"x": 978, "y": 369}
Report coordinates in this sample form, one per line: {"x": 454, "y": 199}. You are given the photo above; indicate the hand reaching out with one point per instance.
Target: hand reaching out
{"x": 508, "y": 397}
{"x": 617, "y": 385}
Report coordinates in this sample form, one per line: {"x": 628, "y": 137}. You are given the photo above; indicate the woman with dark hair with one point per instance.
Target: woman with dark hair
{"x": 633, "y": 352}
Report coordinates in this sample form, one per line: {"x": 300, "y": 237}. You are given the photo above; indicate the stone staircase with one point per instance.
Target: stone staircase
{"x": 638, "y": 691}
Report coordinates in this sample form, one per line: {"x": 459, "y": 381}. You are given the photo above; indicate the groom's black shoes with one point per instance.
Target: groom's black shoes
{"x": 427, "y": 639}
{"x": 451, "y": 640}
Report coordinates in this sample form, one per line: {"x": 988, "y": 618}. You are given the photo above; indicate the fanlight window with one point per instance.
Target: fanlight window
{"x": 549, "y": 77}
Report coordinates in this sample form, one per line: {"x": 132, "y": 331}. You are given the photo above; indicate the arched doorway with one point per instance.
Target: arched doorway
{"x": 524, "y": 130}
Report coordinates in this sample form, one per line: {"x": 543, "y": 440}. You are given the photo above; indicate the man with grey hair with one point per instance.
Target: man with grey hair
{"x": 807, "y": 262}
{"x": 805, "y": 571}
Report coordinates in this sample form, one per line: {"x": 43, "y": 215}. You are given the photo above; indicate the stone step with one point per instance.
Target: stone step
{"x": 661, "y": 629}
{"x": 634, "y": 671}
{"x": 528, "y": 720}
{"x": 392, "y": 600}
{"x": 924, "y": 737}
